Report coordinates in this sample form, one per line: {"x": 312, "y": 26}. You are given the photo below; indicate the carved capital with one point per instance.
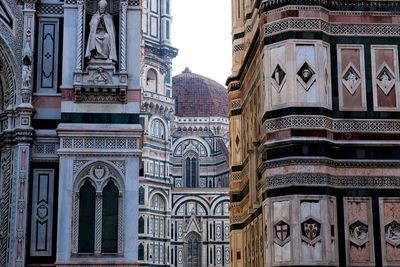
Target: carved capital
{"x": 29, "y": 4}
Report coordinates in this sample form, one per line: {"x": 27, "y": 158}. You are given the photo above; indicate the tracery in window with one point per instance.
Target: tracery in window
{"x": 141, "y": 196}
{"x": 110, "y": 219}
{"x": 191, "y": 167}
{"x": 97, "y": 211}
{"x": 141, "y": 252}
{"x": 193, "y": 250}
{"x": 157, "y": 203}
{"x": 86, "y": 218}
{"x": 141, "y": 225}
{"x": 157, "y": 129}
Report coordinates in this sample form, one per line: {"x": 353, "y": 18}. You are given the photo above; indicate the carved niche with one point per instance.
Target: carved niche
{"x": 101, "y": 75}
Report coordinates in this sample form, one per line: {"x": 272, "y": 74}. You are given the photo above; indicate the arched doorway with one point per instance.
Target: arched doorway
{"x": 7, "y": 99}
{"x": 192, "y": 250}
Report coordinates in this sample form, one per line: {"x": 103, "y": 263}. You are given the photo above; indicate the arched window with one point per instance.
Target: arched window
{"x": 86, "y": 218}
{"x": 141, "y": 252}
{"x": 97, "y": 209}
{"x": 157, "y": 129}
{"x": 157, "y": 203}
{"x": 141, "y": 196}
{"x": 110, "y": 219}
{"x": 193, "y": 250}
{"x": 141, "y": 225}
{"x": 191, "y": 167}
{"x": 151, "y": 81}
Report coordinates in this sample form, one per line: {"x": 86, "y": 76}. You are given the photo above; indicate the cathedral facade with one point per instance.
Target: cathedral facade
{"x": 103, "y": 163}
{"x": 183, "y": 194}
{"x": 314, "y": 128}
{"x": 70, "y": 132}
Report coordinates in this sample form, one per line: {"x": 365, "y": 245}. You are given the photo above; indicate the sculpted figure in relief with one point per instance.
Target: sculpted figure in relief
{"x": 101, "y": 42}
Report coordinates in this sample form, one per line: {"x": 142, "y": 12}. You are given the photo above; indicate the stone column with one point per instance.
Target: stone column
{"x": 23, "y": 137}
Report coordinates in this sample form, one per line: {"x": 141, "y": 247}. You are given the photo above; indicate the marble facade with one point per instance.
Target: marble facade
{"x": 313, "y": 127}
{"x": 68, "y": 124}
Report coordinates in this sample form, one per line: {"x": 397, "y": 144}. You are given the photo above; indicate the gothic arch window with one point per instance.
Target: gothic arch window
{"x": 157, "y": 129}
{"x": 141, "y": 225}
{"x": 110, "y": 219}
{"x": 97, "y": 211}
{"x": 141, "y": 196}
{"x": 191, "y": 169}
{"x": 86, "y": 218}
{"x": 151, "y": 80}
{"x": 157, "y": 203}
{"x": 157, "y": 222}
{"x": 141, "y": 252}
{"x": 192, "y": 248}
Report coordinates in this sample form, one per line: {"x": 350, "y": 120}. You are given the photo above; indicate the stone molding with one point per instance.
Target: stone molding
{"x": 336, "y": 125}
{"x": 311, "y": 179}
{"x": 302, "y": 24}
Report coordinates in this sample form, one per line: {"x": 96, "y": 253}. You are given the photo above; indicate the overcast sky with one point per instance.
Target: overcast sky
{"x": 201, "y": 30}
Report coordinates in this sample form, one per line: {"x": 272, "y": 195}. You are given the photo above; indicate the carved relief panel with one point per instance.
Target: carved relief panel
{"x": 385, "y": 78}
{"x": 310, "y": 74}
{"x": 299, "y": 230}
{"x": 359, "y": 232}
{"x": 48, "y": 45}
{"x": 42, "y": 212}
{"x": 351, "y": 77}
{"x": 390, "y": 231}
{"x": 282, "y": 231}
{"x": 311, "y": 232}
{"x": 235, "y": 132}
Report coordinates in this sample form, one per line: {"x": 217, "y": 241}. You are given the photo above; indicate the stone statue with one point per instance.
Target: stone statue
{"x": 26, "y": 76}
{"x": 101, "y": 41}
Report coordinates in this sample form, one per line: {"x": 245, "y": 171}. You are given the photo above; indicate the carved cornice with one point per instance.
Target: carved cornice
{"x": 158, "y": 104}
{"x": 392, "y": 5}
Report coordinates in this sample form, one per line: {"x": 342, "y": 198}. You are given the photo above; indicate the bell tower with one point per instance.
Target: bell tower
{"x": 99, "y": 133}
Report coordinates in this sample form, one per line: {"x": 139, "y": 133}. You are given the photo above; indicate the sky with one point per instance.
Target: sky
{"x": 201, "y": 30}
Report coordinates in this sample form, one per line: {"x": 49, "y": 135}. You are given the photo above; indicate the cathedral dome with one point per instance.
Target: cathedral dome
{"x": 198, "y": 96}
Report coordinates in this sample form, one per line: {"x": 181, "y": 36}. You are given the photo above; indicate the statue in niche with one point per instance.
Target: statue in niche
{"x": 101, "y": 42}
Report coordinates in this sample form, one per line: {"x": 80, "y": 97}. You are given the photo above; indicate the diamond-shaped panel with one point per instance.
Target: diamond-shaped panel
{"x": 351, "y": 80}
{"x": 385, "y": 79}
{"x": 306, "y": 73}
{"x": 279, "y": 75}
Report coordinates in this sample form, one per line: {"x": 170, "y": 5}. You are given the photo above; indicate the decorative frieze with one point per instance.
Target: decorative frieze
{"x": 302, "y": 24}
{"x": 336, "y": 125}
{"x": 50, "y": 9}
{"x": 109, "y": 143}
{"x": 315, "y": 179}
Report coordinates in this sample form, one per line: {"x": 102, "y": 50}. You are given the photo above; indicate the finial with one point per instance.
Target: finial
{"x": 187, "y": 70}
